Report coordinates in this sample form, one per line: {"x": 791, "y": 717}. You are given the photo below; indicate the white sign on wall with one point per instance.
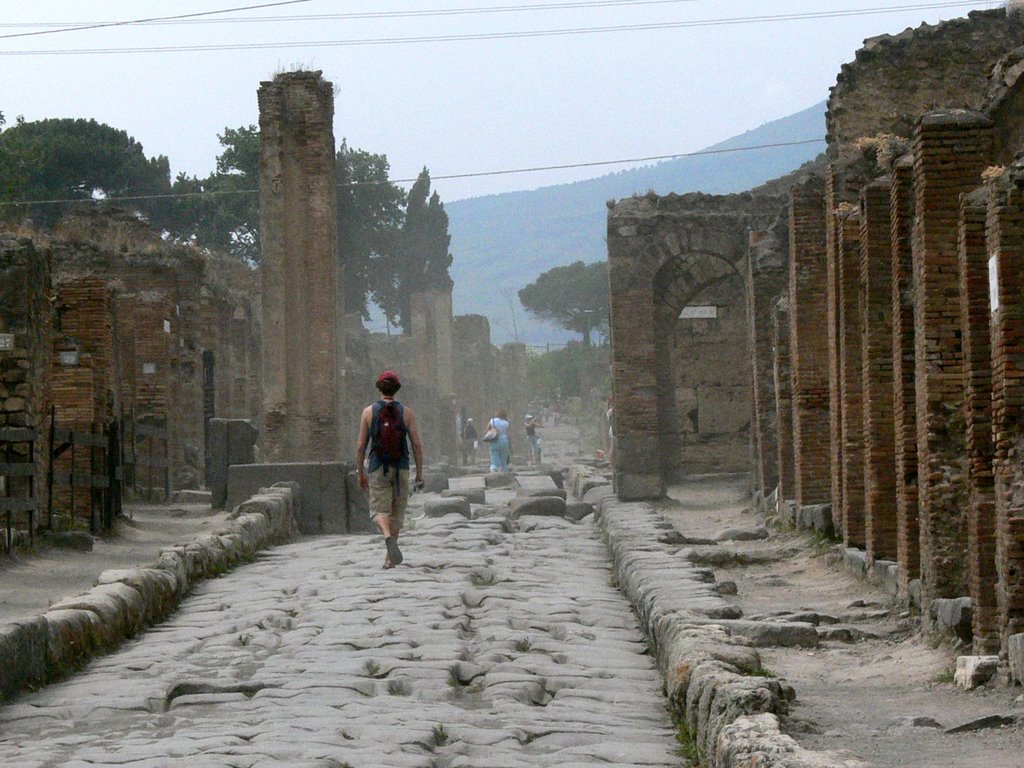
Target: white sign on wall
{"x": 148, "y": 369}
{"x": 993, "y": 283}
{"x": 167, "y": 326}
{"x": 699, "y": 313}
{"x": 6, "y": 342}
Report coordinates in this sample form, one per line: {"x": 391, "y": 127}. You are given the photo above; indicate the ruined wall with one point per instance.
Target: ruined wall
{"x": 781, "y": 335}
{"x": 851, "y": 378}
{"x": 475, "y": 360}
{"x": 896, "y": 78}
{"x": 302, "y": 298}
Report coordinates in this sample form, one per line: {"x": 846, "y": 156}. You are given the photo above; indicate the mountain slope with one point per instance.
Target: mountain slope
{"x": 502, "y": 242}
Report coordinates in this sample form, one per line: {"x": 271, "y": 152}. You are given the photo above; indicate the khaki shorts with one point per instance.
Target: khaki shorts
{"x": 386, "y": 498}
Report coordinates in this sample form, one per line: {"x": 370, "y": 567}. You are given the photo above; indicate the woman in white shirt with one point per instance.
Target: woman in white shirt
{"x": 499, "y": 447}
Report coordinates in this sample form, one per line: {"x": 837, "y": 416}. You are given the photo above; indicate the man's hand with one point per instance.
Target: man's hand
{"x": 418, "y": 483}
{"x": 364, "y": 482}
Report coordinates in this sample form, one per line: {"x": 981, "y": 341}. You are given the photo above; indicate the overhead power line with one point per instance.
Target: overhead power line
{"x": 737, "y": 20}
{"x": 154, "y": 19}
{"x": 352, "y": 16}
{"x": 443, "y": 177}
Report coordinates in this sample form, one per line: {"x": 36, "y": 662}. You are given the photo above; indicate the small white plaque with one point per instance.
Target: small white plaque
{"x": 6, "y": 342}
{"x": 68, "y": 357}
{"x": 148, "y": 369}
{"x": 699, "y": 313}
{"x": 993, "y": 283}
{"x": 167, "y": 326}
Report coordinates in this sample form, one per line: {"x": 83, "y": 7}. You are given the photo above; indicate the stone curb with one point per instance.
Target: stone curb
{"x": 42, "y": 649}
{"x": 714, "y": 681}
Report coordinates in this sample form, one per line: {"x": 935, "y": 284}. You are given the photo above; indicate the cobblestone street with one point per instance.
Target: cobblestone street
{"x": 495, "y": 644}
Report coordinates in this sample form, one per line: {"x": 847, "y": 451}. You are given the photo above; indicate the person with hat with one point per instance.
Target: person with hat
{"x": 388, "y": 428}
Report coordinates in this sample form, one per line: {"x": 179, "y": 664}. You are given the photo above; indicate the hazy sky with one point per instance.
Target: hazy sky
{"x": 455, "y": 106}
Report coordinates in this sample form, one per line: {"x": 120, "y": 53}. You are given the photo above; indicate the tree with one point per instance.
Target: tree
{"x": 421, "y": 260}
{"x": 574, "y": 297}
{"x": 74, "y": 159}
{"x": 222, "y": 211}
{"x": 369, "y": 222}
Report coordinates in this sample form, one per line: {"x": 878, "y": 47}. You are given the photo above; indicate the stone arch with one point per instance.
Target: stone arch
{"x": 681, "y": 381}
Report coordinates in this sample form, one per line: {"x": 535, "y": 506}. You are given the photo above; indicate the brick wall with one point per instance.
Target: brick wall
{"x": 851, "y": 375}
{"x": 951, "y": 149}
{"x": 877, "y": 381}
{"x": 835, "y": 379}
{"x": 977, "y": 351}
{"x": 783, "y": 378}
{"x": 809, "y": 344}
{"x": 1005, "y": 236}
{"x": 901, "y": 213}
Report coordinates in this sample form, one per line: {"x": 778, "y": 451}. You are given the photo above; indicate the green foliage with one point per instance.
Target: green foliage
{"x": 370, "y": 215}
{"x": 421, "y": 260}
{"x": 574, "y": 297}
{"x": 68, "y": 159}
{"x": 570, "y": 372}
{"x": 687, "y": 749}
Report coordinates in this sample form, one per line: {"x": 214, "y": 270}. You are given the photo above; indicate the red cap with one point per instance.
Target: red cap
{"x": 388, "y": 375}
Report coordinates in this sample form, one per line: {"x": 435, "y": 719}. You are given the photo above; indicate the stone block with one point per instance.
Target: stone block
{"x": 228, "y": 441}
{"x": 855, "y": 561}
{"x": 637, "y": 487}
{"x": 435, "y": 481}
{"x": 742, "y": 534}
{"x": 23, "y": 648}
{"x": 323, "y": 499}
{"x": 914, "y": 592}
{"x": 577, "y": 510}
{"x": 886, "y": 574}
{"x": 470, "y": 482}
{"x": 953, "y": 615}
{"x": 972, "y": 671}
{"x": 1015, "y": 655}
{"x": 817, "y": 518}
{"x": 194, "y": 497}
{"x": 541, "y": 492}
{"x": 451, "y": 505}
{"x": 498, "y": 480}
{"x": 546, "y": 506}
{"x": 598, "y": 492}
{"x": 529, "y": 483}
{"x": 774, "y": 634}
{"x": 472, "y": 495}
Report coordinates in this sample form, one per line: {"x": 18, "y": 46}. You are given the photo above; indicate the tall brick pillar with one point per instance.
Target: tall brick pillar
{"x": 835, "y": 379}
{"x": 783, "y": 377}
{"x": 303, "y": 310}
{"x": 951, "y": 149}
{"x": 977, "y": 348}
{"x": 901, "y": 213}
{"x": 809, "y": 344}
{"x": 1005, "y": 237}
{"x": 431, "y": 315}
{"x": 877, "y": 385}
{"x": 851, "y": 376}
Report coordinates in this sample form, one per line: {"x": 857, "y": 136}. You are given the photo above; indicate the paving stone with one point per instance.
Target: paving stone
{"x": 538, "y": 505}
{"x": 472, "y": 495}
{"x": 577, "y": 510}
{"x": 452, "y": 505}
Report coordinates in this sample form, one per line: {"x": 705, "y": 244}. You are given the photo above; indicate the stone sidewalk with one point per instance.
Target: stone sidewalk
{"x": 497, "y": 643}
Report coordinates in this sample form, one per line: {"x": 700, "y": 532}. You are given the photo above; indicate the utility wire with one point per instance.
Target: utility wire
{"x": 473, "y": 175}
{"x": 178, "y": 17}
{"x": 502, "y": 35}
{"x": 426, "y": 13}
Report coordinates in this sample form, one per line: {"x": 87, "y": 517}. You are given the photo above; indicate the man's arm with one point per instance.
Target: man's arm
{"x": 417, "y": 446}
{"x": 364, "y": 438}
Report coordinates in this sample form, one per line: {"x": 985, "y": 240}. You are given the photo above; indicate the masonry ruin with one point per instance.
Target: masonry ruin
{"x": 884, "y": 326}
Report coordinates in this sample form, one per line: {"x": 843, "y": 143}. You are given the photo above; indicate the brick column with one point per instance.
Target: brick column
{"x": 848, "y": 303}
{"x": 904, "y": 414}
{"x": 303, "y": 307}
{"x": 809, "y": 344}
{"x": 783, "y": 377}
{"x": 877, "y": 385}
{"x": 951, "y": 149}
{"x": 977, "y": 348}
{"x": 835, "y": 387}
{"x": 1005, "y": 236}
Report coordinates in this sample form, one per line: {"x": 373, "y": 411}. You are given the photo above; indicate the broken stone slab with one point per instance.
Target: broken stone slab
{"x": 844, "y": 634}
{"x": 742, "y": 534}
{"x": 953, "y": 615}
{"x": 675, "y": 539}
{"x": 773, "y": 634}
{"x": 545, "y": 506}
{"x": 469, "y": 482}
{"x": 577, "y": 510}
{"x": 916, "y": 721}
{"x": 527, "y": 483}
{"x": 817, "y": 518}
{"x": 984, "y": 723}
{"x": 472, "y": 495}
{"x": 972, "y": 671}
{"x": 886, "y": 574}
{"x": 435, "y": 481}
{"x": 450, "y": 505}
{"x": 598, "y": 492}
{"x": 719, "y": 557}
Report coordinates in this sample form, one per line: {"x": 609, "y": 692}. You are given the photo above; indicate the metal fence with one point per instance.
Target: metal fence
{"x": 18, "y": 468}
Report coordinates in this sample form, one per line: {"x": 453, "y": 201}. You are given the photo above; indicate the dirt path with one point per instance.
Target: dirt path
{"x": 861, "y": 696}
{"x": 33, "y": 582}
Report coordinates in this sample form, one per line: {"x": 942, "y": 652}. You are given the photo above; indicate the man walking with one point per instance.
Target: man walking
{"x": 388, "y": 427}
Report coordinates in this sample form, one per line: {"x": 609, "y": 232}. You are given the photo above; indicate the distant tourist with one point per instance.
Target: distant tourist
{"x": 496, "y": 438}
{"x": 470, "y": 442}
{"x": 388, "y": 427}
{"x": 532, "y": 439}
